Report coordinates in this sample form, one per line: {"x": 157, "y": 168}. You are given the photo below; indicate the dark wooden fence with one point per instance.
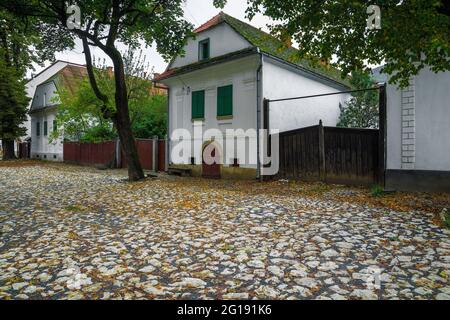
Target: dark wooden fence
{"x": 105, "y": 154}
{"x": 329, "y": 154}
{"x": 90, "y": 153}
{"x": 24, "y": 150}
{"x": 145, "y": 151}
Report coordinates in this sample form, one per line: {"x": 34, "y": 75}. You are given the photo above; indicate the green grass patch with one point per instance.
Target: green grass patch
{"x": 377, "y": 191}
{"x": 74, "y": 208}
{"x": 447, "y": 220}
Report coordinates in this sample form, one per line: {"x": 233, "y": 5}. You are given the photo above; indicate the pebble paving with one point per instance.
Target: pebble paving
{"x": 76, "y": 233}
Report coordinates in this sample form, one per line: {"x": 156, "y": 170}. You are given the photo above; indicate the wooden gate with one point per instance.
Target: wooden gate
{"x": 330, "y": 154}
{"x": 211, "y": 170}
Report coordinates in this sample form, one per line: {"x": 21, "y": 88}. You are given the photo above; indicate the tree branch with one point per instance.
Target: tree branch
{"x": 90, "y": 69}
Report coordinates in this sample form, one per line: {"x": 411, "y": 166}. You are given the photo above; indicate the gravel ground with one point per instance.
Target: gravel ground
{"x": 77, "y": 233}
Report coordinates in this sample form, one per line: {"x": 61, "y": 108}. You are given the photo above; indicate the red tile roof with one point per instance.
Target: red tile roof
{"x": 268, "y": 44}
{"x": 210, "y": 23}
{"x": 164, "y": 75}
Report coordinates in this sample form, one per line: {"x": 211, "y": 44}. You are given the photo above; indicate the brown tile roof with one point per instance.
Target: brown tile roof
{"x": 210, "y": 23}
{"x": 270, "y": 45}
{"x": 70, "y": 77}
{"x": 165, "y": 74}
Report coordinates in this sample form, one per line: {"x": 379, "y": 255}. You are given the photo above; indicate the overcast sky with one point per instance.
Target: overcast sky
{"x": 195, "y": 11}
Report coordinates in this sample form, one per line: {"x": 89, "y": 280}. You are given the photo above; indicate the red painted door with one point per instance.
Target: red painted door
{"x": 211, "y": 170}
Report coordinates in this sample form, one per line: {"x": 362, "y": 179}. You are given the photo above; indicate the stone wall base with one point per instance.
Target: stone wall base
{"x": 418, "y": 180}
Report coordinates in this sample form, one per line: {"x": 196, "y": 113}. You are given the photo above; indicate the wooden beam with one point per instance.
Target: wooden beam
{"x": 382, "y": 137}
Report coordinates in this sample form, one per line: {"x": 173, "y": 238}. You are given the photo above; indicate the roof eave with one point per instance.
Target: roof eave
{"x": 308, "y": 71}
{"x": 46, "y": 108}
{"x": 226, "y": 58}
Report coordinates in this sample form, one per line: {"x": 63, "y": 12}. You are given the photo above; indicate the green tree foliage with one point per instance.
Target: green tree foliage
{"x": 152, "y": 119}
{"x": 413, "y": 33}
{"x": 21, "y": 45}
{"x": 13, "y": 108}
{"x": 79, "y": 114}
{"x": 24, "y": 42}
{"x": 362, "y": 110}
{"x": 104, "y": 24}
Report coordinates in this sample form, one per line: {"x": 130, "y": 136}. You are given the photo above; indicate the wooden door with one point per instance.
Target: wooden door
{"x": 211, "y": 170}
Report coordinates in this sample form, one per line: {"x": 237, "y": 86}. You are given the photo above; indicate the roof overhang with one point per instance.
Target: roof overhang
{"x": 308, "y": 73}
{"x": 205, "y": 64}
{"x": 44, "y": 109}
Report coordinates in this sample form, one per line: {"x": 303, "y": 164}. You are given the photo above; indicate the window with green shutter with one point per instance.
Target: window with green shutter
{"x": 45, "y": 128}
{"x": 55, "y": 126}
{"x": 198, "y": 104}
{"x": 38, "y": 129}
{"x": 225, "y": 101}
{"x": 203, "y": 50}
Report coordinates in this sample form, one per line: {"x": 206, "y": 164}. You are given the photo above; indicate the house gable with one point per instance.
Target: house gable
{"x": 46, "y": 93}
{"x": 243, "y": 37}
{"x": 222, "y": 40}
{"x": 44, "y": 96}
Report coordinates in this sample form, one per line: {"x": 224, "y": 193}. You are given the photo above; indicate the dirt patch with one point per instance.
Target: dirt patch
{"x": 19, "y": 163}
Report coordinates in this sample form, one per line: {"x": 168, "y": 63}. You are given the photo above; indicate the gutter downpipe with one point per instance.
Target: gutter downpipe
{"x": 258, "y": 113}
{"x": 168, "y": 132}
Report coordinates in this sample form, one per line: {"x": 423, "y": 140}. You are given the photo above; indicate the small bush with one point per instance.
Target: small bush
{"x": 377, "y": 191}
{"x": 445, "y": 216}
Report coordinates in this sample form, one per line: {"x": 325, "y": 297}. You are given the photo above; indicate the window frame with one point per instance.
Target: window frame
{"x": 197, "y": 115}
{"x": 200, "y": 49}
{"x": 221, "y": 111}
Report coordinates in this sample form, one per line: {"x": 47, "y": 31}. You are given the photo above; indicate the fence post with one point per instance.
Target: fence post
{"x": 155, "y": 153}
{"x": 321, "y": 152}
{"x": 382, "y": 136}
{"x": 118, "y": 154}
{"x": 266, "y": 125}
{"x": 167, "y": 151}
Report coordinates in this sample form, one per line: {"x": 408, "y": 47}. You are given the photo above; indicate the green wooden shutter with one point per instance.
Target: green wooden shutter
{"x": 198, "y": 104}
{"x": 225, "y": 101}
{"x": 55, "y": 126}
{"x": 38, "y": 129}
{"x": 206, "y": 50}
{"x": 45, "y": 128}
{"x": 203, "y": 50}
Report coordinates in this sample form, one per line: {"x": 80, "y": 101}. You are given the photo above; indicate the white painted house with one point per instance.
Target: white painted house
{"x": 227, "y": 71}
{"x": 44, "y": 107}
{"x": 418, "y": 133}
{"x": 30, "y": 88}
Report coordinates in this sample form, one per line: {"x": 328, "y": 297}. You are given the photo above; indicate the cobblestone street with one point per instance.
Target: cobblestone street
{"x": 78, "y": 233}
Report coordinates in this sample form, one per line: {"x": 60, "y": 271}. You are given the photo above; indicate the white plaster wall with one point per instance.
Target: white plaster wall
{"x": 241, "y": 74}
{"x": 222, "y": 40}
{"x": 393, "y": 128}
{"x": 432, "y": 122}
{"x": 41, "y": 145}
{"x": 282, "y": 82}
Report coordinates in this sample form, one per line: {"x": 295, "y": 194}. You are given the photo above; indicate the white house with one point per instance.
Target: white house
{"x": 220, "y": 83}
{"x": 44, "y": 107}
{"x": 418, "y": 132}
{"x": 31, "y": 88}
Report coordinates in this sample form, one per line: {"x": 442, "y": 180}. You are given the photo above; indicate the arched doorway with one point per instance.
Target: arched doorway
{"x": 211, "y": 170}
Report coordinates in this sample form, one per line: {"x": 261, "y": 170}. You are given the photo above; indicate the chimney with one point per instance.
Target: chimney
{"x": 109, "y": 71}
